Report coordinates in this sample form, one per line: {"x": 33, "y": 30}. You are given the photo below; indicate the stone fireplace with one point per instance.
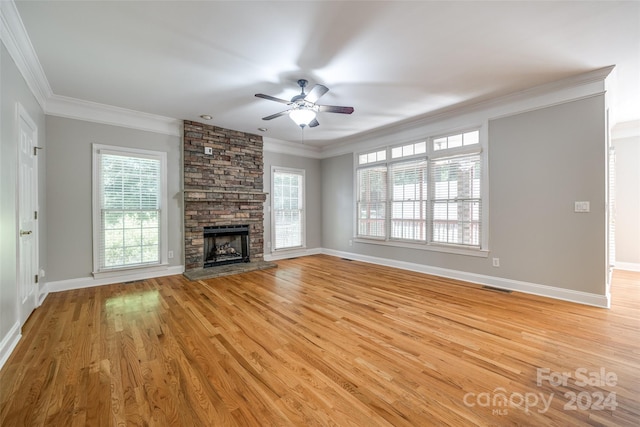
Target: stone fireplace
{"x": 223, "y": 190}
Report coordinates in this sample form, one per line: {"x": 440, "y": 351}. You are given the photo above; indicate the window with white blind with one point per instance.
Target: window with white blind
{"x": 409, "y": 200}
{"x": 129, "y": 193}
{"x": 456, "y": 200}
{"x": 427, "y": 192}
{"x": 288, "y": 208}
{"x": 372, "y": 201}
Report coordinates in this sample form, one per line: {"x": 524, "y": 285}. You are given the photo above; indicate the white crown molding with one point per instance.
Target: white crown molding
{"x": 278, "y": 146}
{"x": 597, "y": 300}
{"x": 73, "y": 108}
{"x": 569, "y": 89}
{"x": 15, "y": 38}
{"x": 630, "y": 129}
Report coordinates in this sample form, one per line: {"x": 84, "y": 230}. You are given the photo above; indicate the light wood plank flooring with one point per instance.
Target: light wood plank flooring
{"x": 322, "y": 341}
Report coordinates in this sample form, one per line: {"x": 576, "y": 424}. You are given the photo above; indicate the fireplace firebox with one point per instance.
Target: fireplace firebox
{"x": 225, "y": 244}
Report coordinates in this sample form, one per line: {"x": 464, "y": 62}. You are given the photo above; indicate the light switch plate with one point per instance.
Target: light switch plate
{"x": 582, "y": 207}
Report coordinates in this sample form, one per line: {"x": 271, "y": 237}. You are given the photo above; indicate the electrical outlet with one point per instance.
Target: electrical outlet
{"x": 496, "y": 262}
{"x": 170, "y": 254}
{"x": 208, "y": 150}
{"x": 350, "y": 242}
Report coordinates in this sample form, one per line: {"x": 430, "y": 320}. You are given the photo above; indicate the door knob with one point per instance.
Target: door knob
{"x": 25, "y": 233}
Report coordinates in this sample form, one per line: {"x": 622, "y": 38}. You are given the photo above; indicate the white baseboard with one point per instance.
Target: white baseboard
{"x": 9, "y": 343}
{"x": 602, "y": 301}
{"x": 586, "y": 298}
{"x": 274, "y": 256}
{"x": 628, "y": 266}
{"x": 87, "y": 282}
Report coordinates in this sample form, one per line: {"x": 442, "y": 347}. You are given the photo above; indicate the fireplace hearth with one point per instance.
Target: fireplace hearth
{"x": 226, "y": 244}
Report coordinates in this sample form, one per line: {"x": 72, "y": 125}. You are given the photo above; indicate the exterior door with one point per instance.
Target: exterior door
{"x": 27, "y": 216}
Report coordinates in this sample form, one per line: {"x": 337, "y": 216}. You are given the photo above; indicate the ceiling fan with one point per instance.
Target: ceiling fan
{"x": 304, "y": 109}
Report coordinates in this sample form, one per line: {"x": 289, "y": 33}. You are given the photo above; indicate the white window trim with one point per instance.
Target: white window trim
{"x": 302, "y": 172}
{"x": 483, "y": 250}
{"x": 95, "y": 190}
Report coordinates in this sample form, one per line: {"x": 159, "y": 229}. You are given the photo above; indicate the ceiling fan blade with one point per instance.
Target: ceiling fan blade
{"x": 272, "y": 98}
{"x": 335, "y": 109}
{"x": 315, "y": 93}
{"x": 313, "y": 123}
{"x": 273, "y": 116}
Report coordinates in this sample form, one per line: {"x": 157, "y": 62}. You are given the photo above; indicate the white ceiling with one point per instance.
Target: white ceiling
{"x": 392, "y": 61}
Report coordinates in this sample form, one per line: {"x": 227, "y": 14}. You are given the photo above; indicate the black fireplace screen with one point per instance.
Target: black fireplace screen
{"x": 226, "y": 244}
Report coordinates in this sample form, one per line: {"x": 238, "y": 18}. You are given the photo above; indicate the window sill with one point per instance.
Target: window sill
{"x": 450, "y": 249}
{"x": 129, "y": 270}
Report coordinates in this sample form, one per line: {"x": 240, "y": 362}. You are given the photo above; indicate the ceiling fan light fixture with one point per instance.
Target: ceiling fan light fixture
{"x": 302, "y": 116}
{"x": 303, "y": 108}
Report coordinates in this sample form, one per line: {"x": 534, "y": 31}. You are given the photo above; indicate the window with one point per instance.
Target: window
{"x": 456, "y": 202}
{"x": 372, "y": 157}
{"x": 372, "y": 201}
{"x": 428, "y": 192}
{"x": 288, "y": 208}
{"x": 409, "y": 200}
{"x": 129, "y": 193}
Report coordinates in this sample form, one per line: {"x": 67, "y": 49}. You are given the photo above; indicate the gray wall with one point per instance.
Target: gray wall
{"x": 628, "y": 200}
{"x": 338, "y": 202}
{"x": 540, "y": 162}
{"x": 69, "y": 190}
{"x": 14, "y": 90}
{"x": 313, "y": 186}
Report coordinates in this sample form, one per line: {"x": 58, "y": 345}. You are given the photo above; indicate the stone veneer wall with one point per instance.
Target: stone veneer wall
{"x": 222, "y": 188}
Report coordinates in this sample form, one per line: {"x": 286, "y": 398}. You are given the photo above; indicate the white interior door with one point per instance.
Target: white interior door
{"x": 27, "y": 216}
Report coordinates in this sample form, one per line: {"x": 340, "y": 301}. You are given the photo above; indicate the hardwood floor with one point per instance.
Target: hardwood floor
{"x": 322, "y": 341}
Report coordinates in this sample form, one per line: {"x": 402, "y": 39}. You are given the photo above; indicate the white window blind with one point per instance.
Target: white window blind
{"x": 427, "y": 192}
{"x": 456, "y": 201}
{"x": 372, "y": 201}
{"x": 288, "y": 208}
{"x": 409, "y": 200}
{"x": 129, "y": 191}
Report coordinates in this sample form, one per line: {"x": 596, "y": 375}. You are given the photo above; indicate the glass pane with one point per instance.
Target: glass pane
{"x": 133, "y": 255}
{"x": 471, "y": 138}
{"x": 150, "y": 253}
{"x": 132, "y": 237}
{"x": 440, "y": 144}
{"x": 454, "y": 141}
{"x": 150, "y": 237}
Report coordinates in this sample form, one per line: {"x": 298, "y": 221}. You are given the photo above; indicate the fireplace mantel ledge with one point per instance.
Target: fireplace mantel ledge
{"x": 194, "y": 190}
